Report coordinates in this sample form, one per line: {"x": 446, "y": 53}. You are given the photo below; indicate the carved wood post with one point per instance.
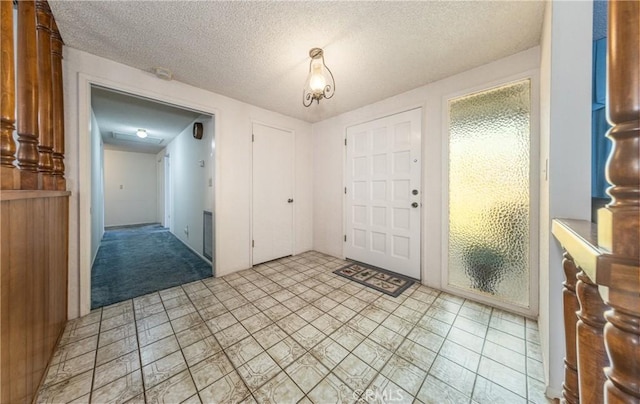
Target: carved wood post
{"x": 619, "y": 222}
{"x": 8, "y": 102}
{"x": 592, "y": 357}
{"x": 570, "y": 391}
{"x": 58, "y": 109}
{"x": 27, "y": 95}
{"x": 45, "y": 111}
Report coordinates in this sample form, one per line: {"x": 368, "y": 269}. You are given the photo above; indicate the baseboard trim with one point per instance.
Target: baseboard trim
{"x": 195, "y": 252}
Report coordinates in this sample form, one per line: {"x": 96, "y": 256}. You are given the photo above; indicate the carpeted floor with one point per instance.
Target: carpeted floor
{"x": 133, "y": 261}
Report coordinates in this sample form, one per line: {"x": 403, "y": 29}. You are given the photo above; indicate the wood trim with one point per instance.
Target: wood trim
{"x": 8, "y": 104}
{"x": 27, "y": 194}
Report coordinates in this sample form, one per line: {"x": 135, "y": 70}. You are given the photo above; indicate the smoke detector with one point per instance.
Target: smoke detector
{"x": 162, "y": 73}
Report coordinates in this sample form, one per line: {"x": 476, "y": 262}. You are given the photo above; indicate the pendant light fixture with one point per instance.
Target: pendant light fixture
{"x": 320, "y": 83}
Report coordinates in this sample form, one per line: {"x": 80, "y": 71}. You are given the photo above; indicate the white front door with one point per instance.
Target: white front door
{"x": 272, "y": 193}
{"x": 383, "y": 193}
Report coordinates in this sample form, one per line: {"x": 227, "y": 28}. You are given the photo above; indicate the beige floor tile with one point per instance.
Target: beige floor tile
{"x": 383, "y": 391}
{"x": 158, "y": 349}
{"x": 434, "y": 391}
{"x": 372, "y": 353}
{"x": 200, "y": 350}
{"x": 116, "y": 334}
{"x": 65, "y": 370}
{"x": 116, "y": 369}
{"x": 404, "y": 374}
{"x": 243, "y": 351}
{"x": 193, "y": 335}
{"x": 174, "y": 390}
{"x": 210, "y": 370}
{"x": 67, "y": 390}
{"x": 355, "y": 372}
{"x": 162, "y": 369}
{"x": 114, "y": 350}
{"x": 228, "y": 389}
{"x": 154, "y": 334}
{"x": 258, "y": 371}
{"x": 332, "y": 390}
{"x": 280, "y": 389}
{"x": 329, "y": 353}
{"x": 286, "y": 351}
{"x": 306, "y": 371}
{"x": 119, "y": 390}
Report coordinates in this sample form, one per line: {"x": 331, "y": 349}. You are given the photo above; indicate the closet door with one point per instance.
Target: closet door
{"x": 272, "y": 193}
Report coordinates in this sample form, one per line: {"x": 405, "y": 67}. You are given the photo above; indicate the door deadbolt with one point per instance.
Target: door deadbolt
{"x": 415, "y": 192}
{"x": 415, "y": 204}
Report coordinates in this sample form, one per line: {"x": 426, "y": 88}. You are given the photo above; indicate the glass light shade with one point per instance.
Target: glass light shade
{"x": 319, "y": 83}
{"x": 141, "y": 133}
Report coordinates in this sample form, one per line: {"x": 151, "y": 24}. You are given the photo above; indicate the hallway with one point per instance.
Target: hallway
{"x": 135, "y": 260}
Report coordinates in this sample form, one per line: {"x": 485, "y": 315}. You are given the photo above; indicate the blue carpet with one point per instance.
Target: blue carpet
{"x": 134, "y": 261}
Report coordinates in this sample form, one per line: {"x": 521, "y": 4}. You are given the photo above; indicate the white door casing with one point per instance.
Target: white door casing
{"x": 272, "y": 193}
{"x": 382, "y": 200}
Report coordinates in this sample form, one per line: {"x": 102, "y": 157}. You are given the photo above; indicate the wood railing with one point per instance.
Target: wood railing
{"x": 34, "y": 203}
{"x": 602, "y": 262}
{"x": 36, "y": 162}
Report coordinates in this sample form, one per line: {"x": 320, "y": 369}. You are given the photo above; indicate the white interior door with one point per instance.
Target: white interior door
{"x": 383, "y": 193}
{"x": 272, "y": 193}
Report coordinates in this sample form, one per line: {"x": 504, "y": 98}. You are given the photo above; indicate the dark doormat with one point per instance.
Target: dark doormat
{"x": 375, "y": 278}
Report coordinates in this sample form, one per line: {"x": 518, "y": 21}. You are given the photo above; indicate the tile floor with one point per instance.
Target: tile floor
{"x": 291, "y": 331}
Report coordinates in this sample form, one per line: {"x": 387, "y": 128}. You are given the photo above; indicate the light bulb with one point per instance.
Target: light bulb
{"x": 317, "y": 81}
{"x": 141, "y": 133}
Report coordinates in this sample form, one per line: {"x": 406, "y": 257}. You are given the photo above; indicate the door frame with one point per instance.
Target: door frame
{"x": 85, "y": 82}
{"x": 534, "y": 194}
{"x": 422, "y": 108}
{"x": 293, "y": 185}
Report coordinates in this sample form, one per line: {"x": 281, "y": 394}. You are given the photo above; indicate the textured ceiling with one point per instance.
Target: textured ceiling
{"x": 257, "y": 52}
{"x": 125, "y": 114}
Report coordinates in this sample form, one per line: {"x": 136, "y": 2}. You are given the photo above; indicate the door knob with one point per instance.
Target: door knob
{"x": 289, "y": 200}
{"x": 415, "y": 204}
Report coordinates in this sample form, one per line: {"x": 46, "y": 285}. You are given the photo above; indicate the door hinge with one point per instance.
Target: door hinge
{"x": 253, "y": 243}
{"x": 345, "y": 190}
{"x": 345, "y": 141}
{"x": 253, "y": 137}
{"x": 345, "y": 238}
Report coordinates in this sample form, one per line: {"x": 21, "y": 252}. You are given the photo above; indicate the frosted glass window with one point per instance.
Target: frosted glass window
{"x": 489, "y": 149}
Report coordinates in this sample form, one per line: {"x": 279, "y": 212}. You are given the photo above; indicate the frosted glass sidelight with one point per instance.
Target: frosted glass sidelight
{"x": 489, "y": 211}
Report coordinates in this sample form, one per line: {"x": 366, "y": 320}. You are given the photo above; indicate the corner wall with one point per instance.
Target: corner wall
{"x": 191, "y": 193}
{"x": 233, "y": 122}
{"x": 328, "y": 160}
{"x": 97, "y": 188}
{"x": 565, "y": 129}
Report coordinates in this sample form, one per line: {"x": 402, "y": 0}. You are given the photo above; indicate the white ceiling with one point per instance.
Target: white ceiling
{"x": 257, "y": 52}
{"x": 125, "y": 114}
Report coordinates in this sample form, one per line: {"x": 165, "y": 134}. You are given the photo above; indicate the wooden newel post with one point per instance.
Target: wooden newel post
{"x": 592, "y": 357}
{"x": 619, "y": 221}
{"x": 58, "y": 109}
{"x": 27, "y": 95}
{"x": 570, "y": 390}
{"x": 45, "y": 96}
{"x": 8, "y": 172}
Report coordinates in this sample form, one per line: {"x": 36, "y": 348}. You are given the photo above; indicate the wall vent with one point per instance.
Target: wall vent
{"x": 207, "y": 236}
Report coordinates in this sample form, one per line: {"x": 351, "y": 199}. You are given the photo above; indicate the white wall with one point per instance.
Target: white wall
{"x": 566, "y": 143}
{"x": 130, "y": 194}
{"x": 233, "y": 122}
{"x": 191, "y": 193}
{"x": 328, "y": 146}
{"x": 97, "y": 188}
